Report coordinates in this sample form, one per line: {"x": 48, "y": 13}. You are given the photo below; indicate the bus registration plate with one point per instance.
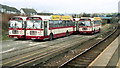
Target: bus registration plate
{"x": 84, "y": 28}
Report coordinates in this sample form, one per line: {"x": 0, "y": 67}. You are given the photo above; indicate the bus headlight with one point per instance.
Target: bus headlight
{"x": 21, "y": 32}
{"x": 39, "y": 32}
{"x": 27, "y": 33}
{"x": 9, "y": 32}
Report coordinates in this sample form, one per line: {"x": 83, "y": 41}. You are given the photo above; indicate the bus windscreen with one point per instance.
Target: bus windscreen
{"x": 84, "y": 23}
{"x": 16, "y": 24}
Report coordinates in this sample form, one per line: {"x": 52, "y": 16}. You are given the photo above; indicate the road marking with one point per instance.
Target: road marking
{"x": 7, "y": 50}
{"x": 39, "y": 56}
{"x": 36, "y": 44}
{"x": 57, "y": 49}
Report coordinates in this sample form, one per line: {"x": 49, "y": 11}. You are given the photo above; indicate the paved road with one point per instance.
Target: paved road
{"x": 9, "y": 45}
{"x": 42, "y": 45}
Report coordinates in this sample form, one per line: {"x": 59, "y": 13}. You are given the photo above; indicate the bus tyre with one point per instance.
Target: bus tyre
{"x": 51, "y": 37}
{"x": 67, "y": 34}
{"x": 99, "y": 30}
{"x": 94, "y": 32}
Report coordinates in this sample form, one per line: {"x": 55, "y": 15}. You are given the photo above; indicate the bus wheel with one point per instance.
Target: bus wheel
{"x": 67, "y": 34}
{"x": 51, "y": 37}
{"x": 94, "y": 32}
{"x": 99, "y": 30}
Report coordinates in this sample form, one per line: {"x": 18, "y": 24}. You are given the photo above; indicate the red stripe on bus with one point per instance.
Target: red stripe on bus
{"x": 34, "y": 19}
{"x": 16, "y": 28}
{"x": 36, "y": 37}
{"x": 85, "y": 20}
{"x": 88, "y": 31}
{"x": 60, "y": 27}
{"x": 34, "y": 29}
{"x": 85, "y": 26}
{"x": 88, "y": 26}
{"x": 97, "y": 25}
{"x": 42, "y": 37}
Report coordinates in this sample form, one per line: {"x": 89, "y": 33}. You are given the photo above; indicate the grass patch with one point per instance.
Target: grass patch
{"x": 5, "y": 35}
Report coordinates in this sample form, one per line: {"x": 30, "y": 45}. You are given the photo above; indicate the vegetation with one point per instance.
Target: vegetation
{"x": 85, "y": 15}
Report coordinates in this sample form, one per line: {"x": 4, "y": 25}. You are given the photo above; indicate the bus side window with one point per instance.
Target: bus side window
{"x": 51, "y": 23}
{"x": 68, "y": 23}
{"x": 63, "y": 23}
{"x": 55, "y": 23}
{"x": 60, "y": 23}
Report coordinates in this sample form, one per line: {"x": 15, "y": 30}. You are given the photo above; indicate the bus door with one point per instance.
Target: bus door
{"x": 92, "y": 24}
{"x": 45, "y": 28}
{"x": 24, "y": 26}
{"x": 77, "y": 26}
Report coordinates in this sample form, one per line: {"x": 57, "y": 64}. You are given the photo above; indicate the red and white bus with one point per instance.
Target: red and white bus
{"x": 17, "y": 27}
{"x": 89, "y": 25}
{"x": 49, "y": 27}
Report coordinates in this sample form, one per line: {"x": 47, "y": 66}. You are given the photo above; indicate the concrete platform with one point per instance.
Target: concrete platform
{"x": 118, "y": 64}
{"x": 109, "y": 57}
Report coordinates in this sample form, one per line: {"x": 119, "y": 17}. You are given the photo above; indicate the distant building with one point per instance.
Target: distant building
{"x": 7, "y": 9}
{"x": 27, "y": 11}
{"x": 44, "y": 13}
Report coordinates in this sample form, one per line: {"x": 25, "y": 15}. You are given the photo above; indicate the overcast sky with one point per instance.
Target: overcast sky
{"x": 66, "y": 6}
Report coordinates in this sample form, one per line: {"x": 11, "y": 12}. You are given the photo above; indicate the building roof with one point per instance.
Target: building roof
{"x": 9, "y": 8}
{"x": 44, "y": 13}
{"x": 28, "y": 11}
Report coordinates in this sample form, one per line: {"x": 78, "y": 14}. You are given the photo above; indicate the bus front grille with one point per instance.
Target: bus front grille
{"x": 33, "y": 32}
{"x": 14, "y": 31}
{"x": 84, "y": 28}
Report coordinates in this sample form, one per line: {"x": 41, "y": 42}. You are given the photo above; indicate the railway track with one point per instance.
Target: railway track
{"x": 86, "y": 57}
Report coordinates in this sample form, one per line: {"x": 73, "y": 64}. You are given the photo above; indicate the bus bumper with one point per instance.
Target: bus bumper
{"x": 36, "y": 37}
{"x": 16, "y": 36}
{"x": 90, "y": 32}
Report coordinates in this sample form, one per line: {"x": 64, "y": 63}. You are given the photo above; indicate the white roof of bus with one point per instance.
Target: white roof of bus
{"x": 91, "y": 19}
{"x": 24, "y": 18}
{"x": 85, "y": 18}
{"x": 44, "y": 18}
{"x": 77, "y": 19}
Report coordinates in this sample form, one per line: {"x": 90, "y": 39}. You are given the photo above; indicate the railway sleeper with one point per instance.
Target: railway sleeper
{"x": 81, "y": 61}
{"x": 78, "y": 64}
